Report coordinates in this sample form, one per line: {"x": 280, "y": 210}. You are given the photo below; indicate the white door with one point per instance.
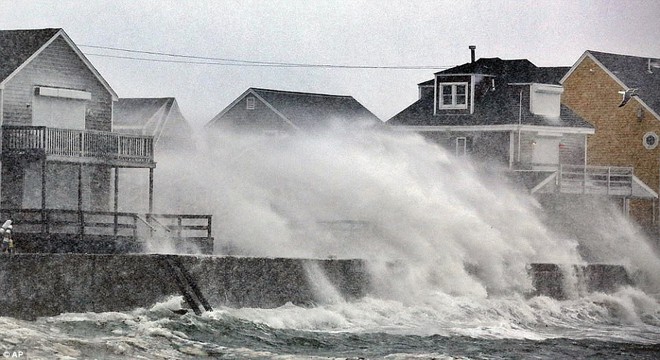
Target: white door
{"x": 545, "y": 151}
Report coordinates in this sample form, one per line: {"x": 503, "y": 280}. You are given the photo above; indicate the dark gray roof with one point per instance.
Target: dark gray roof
{"x": 16, "y": 46}
{"x": 157, "y": 117}
{"x": 512, "y": 71}
{"x": 307, "y": 110}
{"x": 633, "y": 71}
{"x": 138, "y": 111}
{"x": 509, "y": 71}
{"x": 501, "y": 107}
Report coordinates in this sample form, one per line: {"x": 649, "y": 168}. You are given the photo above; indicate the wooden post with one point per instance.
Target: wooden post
{"x": 44, "y": 222}
{"x": 80, "y": 203}
{"x": 116, "y": 200}
{"x": 151, "y": 190}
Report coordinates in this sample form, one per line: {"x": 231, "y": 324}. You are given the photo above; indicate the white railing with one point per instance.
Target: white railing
{"x": 78, "y": 143}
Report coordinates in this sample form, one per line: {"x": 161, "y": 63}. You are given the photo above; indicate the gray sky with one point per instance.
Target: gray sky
{"x": 352, "y": 32}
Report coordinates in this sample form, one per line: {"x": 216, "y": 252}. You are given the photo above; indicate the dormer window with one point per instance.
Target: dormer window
{"x": 453, "y": 95}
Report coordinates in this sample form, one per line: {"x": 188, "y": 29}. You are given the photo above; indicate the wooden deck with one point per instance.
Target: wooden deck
{"x": 85, "y": 146}
{"x": 597, "y": 180}
{"x": 585, "y": 180}
{"x": 62, "y": 231}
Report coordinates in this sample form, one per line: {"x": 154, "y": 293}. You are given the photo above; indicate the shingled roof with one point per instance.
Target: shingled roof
{"x": 16, "y": 47}
{"x": 509, "y": 71}
{"x": 501, "y": 107}
{"x": 308, "y": 110}
{"x": 496, "y": 108}
{"x": 157, "y": 117}
{"x": 642, "y": 73}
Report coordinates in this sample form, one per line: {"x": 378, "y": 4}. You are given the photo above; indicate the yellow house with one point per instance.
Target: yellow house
{"x": 626, "y": 132}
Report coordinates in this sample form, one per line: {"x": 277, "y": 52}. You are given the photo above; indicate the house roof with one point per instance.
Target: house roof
{"x": 307, "y": 110}
{"x": 140, "y": 112}
{"x": 157, "y": 117}
{"x": 501, "y": 107}
{"x": 642, "y": 73}
{"x": 19, "y": 47}
{"x": 510, "y": 71}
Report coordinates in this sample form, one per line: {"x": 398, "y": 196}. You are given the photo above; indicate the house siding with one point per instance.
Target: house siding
{"x": 56, "y": 66}
{"x": 593, "y": 94}
{"x": 571, "y": 149}
{"x": 261, "y": 118}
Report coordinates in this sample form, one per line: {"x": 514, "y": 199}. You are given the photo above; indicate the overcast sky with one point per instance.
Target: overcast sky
{"x": 353, "y": 32}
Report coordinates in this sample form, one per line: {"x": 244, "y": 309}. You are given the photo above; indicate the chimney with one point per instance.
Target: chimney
{"x": 472, "y": 48}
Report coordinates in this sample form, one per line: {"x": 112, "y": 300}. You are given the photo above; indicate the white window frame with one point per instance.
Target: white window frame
{"x": 461, "y": 150}
{"x": 249, "y": 103}
{"x": 454, "y": 86}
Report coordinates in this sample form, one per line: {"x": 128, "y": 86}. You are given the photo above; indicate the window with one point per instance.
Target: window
{"x": 453, "y": 96}
{"x": 249, "y": 103}
{"x": 461, "y": 146}
{"x": 650, "y": 140}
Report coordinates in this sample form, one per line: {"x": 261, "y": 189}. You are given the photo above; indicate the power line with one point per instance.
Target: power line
{"x": 239, "y": 62}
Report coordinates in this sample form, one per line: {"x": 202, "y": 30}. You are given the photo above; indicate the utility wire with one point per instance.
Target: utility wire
{"x": 238, "y": 62}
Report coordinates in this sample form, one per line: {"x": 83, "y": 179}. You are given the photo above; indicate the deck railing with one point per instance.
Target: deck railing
{"x": 184, "y": 229}
{"x": 605, "y": 180}
{"x": 78, "y": 143}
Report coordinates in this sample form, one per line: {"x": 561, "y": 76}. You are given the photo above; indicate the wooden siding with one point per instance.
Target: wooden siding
{"x": 571, "y": 149}
{"x": 57, "y": 66}
{"x": 593, "y": 94}
{"x": 261, "y": 118}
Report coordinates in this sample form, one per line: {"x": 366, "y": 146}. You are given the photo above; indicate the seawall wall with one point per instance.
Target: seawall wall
{"x": 33, "y": 285}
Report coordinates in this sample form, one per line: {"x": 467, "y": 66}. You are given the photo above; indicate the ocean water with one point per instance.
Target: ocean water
{"x": 466, "y": 234}
{"x": 622, "y": 325}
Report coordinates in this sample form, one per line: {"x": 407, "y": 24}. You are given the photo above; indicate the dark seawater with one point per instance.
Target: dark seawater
{"x": 451, "y": 328}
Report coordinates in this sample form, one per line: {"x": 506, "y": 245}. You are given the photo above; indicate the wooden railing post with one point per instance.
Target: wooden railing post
{"x": 135, "y": 234}
{"x": 208, "y": 231}
{"x": 81, "y": 218}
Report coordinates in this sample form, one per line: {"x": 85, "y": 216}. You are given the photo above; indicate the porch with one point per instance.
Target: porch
{"x": 52, "y": 214}
{"x": 79, "y": 146}
{"x": 587, "y": 180}
{"x": 99, "y": 232}
{"x": 46, "y": 146}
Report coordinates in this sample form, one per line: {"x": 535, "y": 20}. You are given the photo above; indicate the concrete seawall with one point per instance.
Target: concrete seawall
{"x": 33, "y": 285}
{"x": 560, "y": 282}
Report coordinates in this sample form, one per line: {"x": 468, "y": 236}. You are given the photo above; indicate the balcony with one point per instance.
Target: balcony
{"x": 78, "y": 146}
{"x": 587, "y": 180}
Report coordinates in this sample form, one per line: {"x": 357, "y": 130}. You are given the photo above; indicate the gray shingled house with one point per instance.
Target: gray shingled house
{"x": 509, "y": 112}
{"x": 277, "y": 111}
{"x": 60, "y": 156}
